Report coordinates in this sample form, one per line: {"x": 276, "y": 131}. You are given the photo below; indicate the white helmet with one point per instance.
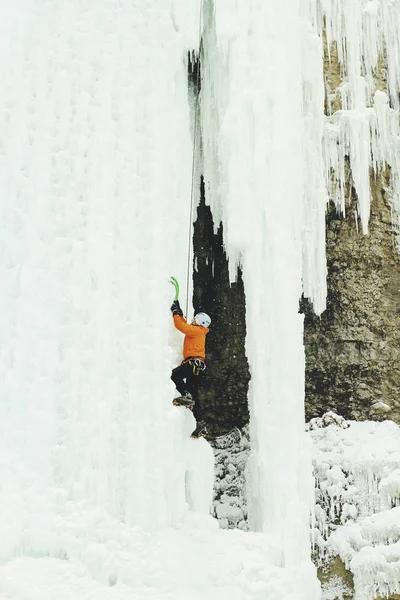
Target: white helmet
{"x": 202, "y": 319}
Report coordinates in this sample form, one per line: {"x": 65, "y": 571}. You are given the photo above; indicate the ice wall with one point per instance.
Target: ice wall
{"x": 358, "y": 137}
{"x": 366, "y": 36}
{"x": 95, "y": 160}
{"x": 252, "y": 127}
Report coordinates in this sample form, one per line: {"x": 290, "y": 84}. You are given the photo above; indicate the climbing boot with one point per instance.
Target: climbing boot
{"x": 200, "y": 431}
{"x": 186, "y": 400}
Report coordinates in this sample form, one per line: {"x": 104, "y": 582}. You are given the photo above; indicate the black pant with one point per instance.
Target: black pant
{"x": 186, "y": 381}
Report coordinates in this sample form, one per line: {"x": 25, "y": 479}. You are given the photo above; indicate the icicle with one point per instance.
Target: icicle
{"x": 366, "y": 129}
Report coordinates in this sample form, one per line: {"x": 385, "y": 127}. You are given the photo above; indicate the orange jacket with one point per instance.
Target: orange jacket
{"x": 195, "y": 337}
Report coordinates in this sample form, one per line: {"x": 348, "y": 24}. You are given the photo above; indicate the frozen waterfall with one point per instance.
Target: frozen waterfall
{"x": 95, "y": 165}
{"x": 101, "y": 492}
{"x": 93, "y": 188}
{"x": 252, "y": 128}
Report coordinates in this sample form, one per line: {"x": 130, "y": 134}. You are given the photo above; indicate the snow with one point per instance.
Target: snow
{"x": 192, "y": 562}
{"x": 357, "y": 501}
{"x": 335, "y": 589}
{"x": 230, "y": 501}
{"x": 357, "y": 513}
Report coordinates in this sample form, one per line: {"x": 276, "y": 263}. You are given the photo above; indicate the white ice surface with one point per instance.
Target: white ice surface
{"x": 90, "y": 108}
{"x": 95, "y": 163}
{"x": 102, "y": 492}
{"x": 254, "y": 166}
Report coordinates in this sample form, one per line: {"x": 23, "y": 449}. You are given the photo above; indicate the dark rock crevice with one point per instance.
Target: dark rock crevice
{"x": 224, "y": 390}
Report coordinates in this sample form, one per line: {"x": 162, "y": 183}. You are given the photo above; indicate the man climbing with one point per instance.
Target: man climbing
{"x": 187, "y": 376}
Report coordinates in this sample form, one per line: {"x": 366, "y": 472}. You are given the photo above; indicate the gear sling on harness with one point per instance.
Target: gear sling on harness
{"x": 197, "y": 363}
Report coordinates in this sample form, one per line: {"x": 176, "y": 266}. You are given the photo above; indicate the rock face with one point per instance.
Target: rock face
{"x": 353, "y": 349}
{"x": 224, "y": 393}
{"x": 336, "y": 580}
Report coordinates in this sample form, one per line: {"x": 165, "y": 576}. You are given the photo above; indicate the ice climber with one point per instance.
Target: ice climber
{"x": 189, "y": 373}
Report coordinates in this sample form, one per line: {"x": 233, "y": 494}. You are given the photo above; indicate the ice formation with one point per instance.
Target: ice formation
{"x": 86, "y": 246}
{"x": 92, "y": 197}
{"x": 95, "y": 166}
{"x": 271, "y": 160}
{"x": 366, "y": 37}
{"x": 357, "y": 501}
{"x": 357, "y": 514}
{"x": 95, "y": 463}
{"x": 230, "y": 502}
{"x": 252, "y": 125}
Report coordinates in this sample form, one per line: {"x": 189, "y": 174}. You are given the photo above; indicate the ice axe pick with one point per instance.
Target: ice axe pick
{"x": 176, "y": 285}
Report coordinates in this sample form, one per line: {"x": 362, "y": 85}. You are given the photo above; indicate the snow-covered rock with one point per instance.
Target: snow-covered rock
{"x": 357, "y": 512}
{"x": 356, "y": 520}
{"x": 231, "y": 455}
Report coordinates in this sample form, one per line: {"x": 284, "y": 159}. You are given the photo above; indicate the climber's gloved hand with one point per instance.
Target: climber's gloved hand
{"x": 176, "y": 309}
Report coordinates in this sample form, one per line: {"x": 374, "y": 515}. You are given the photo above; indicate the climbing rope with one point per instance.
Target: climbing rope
{"x": 196, "y": 118}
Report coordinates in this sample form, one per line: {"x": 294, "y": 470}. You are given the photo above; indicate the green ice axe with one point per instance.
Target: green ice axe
{"x": 176, "y": 285}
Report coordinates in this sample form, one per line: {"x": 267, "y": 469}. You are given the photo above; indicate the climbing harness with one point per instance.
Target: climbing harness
{"x": 196, "y": 117}
{"x": 197, "y": 363}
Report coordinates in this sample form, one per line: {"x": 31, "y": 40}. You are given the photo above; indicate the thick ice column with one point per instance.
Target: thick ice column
{"x": 315, "y": 192}
{"x": 254, "y": 130}
{"x": 95, "y": 167}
